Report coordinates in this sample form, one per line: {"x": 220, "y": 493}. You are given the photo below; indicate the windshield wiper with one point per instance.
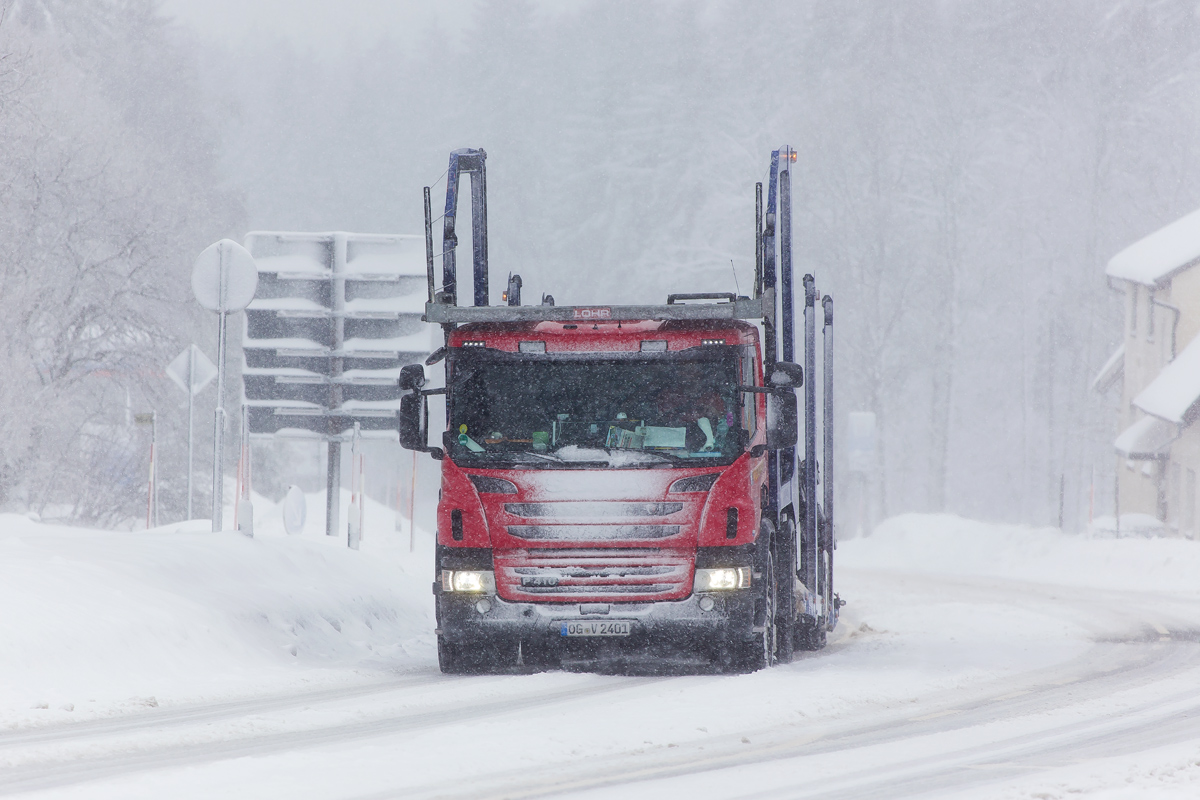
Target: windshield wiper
{"x": 551, "y": 458}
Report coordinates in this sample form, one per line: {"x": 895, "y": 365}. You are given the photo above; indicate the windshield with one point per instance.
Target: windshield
{"x": 617, "y": 412}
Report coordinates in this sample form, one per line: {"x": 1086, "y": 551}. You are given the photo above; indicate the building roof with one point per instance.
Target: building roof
{"x": 1172, "y": 394}
{"x": 1149, "y": 437}
{"x": 1111, "y": 372}
{"x": 1155, "y": 258}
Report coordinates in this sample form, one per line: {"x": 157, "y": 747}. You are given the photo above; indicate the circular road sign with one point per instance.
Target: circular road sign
{"x": 224, "y": 278}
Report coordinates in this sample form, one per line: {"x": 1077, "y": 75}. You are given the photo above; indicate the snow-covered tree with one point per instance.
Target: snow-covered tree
{"x": 107, "y": 190}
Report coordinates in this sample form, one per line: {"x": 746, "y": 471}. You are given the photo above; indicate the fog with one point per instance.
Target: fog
{"x": 965, "y": 171}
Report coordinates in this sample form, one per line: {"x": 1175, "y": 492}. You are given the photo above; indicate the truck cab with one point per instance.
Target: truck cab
{"x": 601, "y": 481}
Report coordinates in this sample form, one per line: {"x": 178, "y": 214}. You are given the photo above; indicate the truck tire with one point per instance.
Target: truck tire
{"x": 459, "y": 659}
{"x": 759, "y": 652}
{"x": 450, "y": 658}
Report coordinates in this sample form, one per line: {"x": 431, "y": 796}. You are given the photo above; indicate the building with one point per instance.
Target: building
{"x": 1158, "y": 366}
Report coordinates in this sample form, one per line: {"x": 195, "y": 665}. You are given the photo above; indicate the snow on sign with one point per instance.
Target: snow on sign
{"x": 224, "y": 277}
{"x": 335, "y": 318}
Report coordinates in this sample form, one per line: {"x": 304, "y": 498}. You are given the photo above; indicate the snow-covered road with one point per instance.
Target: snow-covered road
{"x": 973, "y": 661}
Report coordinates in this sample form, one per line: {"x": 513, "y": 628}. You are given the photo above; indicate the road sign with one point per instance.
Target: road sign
{"x": 336, "y": 317}
{"x": 224, "y": 277}
{"x": 199, "y": 372}
{"x": 191, "y": 368}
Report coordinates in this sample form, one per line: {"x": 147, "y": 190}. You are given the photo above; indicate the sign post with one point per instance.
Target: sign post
{"x": 191, "y": 371}
{"x": 151, "y": 418}
{"x": 224, "y": 280}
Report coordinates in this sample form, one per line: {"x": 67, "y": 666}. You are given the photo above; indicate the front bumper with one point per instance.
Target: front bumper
{"x": 731, "y": 619}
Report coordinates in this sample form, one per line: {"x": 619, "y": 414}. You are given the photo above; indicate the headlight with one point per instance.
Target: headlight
{"x": 469, "y": 580}
{"x": 723, "y": 579}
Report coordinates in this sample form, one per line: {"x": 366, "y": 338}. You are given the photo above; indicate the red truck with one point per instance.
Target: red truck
{"x": 623, "y": 482}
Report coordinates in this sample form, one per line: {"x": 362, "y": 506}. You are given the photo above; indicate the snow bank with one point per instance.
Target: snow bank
{"x": 946, "y": 544}
{"x": 97, "y": 621}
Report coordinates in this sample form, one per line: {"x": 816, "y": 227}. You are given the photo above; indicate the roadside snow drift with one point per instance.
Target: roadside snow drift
{"x": 948, "y": 545}
{"x": 95, "y": 622}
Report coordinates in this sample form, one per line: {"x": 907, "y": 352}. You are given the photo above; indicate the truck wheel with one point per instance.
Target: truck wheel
{"x": 759, "y": 652}
{"x": 476, "y": 659}
{"x": 450, "y": 658}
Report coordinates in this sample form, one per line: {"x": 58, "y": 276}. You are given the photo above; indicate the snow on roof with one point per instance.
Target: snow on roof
{"x": 1149, "y": 437}
{"x": 1111, "y": 372}
{"x": 1159, "y": 255}
{"x": 1172, "y": 394}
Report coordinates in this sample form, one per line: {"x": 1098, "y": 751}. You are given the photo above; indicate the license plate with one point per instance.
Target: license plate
{"x": 616, "y": 627}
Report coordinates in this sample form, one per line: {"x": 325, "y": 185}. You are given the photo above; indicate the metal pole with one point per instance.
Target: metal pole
{"x": 412, "y": 505}
{"x": 219, "y": 412}
{"x": 785, "y": 265}
{"x": 811, "y": 520}
{"x": 333, "y": 486}
{"x": 150, "y": 484}
{"x": 758, "y": 240}
{"x": 191, "y": 439}
{"x": 154, "y": 463}
{"x": 479, "y": 242}
{"x": 333, "y": 479}
{"x": 429, "y": 244}
{"x": 828, "y": 543}
{"x": 219, "y": 427}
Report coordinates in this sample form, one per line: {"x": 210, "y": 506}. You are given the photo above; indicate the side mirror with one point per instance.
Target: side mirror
{"x": 787, "y": 375}
{"x": 783, "y": 428}
{"x": 411, "y": 423}
{"x": 412, "y": 377}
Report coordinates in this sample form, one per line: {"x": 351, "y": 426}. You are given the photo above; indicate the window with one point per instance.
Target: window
{"x": 677, "y": 408}
{"x": 749, "y": 400}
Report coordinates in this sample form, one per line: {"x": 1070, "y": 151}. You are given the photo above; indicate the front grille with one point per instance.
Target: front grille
{"x": 565, "y": 576}
{"x": 592, "y": 533}
{"x": 591, "y": 510}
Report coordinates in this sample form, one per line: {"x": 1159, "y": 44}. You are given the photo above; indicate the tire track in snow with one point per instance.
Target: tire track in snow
{"x": 1177, "y": 715}
{"x": 1129, "y": 650}
{"x": 52, "y": 773}
{"x": 190, "y": 714}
